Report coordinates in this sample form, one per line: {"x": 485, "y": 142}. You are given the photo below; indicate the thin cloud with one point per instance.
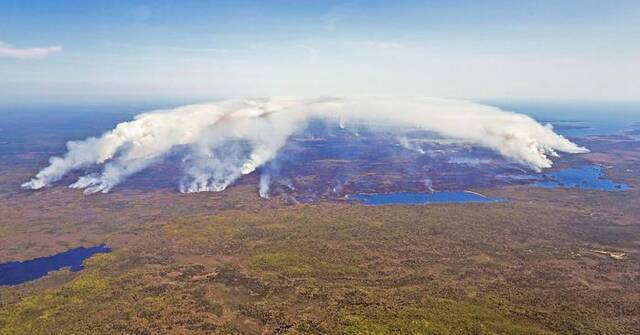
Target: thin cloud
{"x": 9, "y": 51}
{"x": 311, "y": 52}
{"x": 164, "y": 48}
{"x": 385, "y": 45}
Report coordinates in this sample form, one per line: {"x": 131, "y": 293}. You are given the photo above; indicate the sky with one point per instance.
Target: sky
{"x": 105, "y": 51}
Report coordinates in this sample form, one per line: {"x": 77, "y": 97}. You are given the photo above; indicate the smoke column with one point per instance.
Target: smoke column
{"x": 228, "y": 139}
{"x": 265, "y": 183}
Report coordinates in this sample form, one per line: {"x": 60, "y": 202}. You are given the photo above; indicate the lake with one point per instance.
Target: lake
{"x": 584, "y": 177}
{"x": 419, "y": 198}
{"x": 14, "y": 273}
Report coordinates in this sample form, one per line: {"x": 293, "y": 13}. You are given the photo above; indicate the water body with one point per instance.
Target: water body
{"x": 584, "y": 177}
{"x": 14, "y": 273}
{"x": 578, "y": 118}
{"x": 419, "y": 198}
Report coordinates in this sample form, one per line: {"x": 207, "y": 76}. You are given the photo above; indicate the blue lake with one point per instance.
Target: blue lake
{"x": 14, "y": 273}
{"x": 418, "y": 198}
{"x": 585, "y": 177}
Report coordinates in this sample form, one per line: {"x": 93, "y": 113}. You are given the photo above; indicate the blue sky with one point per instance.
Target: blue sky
{"x": 66, "y": 51}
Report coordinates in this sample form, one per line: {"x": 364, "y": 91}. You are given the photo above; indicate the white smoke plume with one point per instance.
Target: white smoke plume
{"x": 410, "y": 145}
{"x": 265, "y": 184}
{"x": 228, "y": 139}
{"x": 429, "y": 185}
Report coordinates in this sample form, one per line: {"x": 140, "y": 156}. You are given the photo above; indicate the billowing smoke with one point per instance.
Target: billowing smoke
{"x": 228, "y": 139}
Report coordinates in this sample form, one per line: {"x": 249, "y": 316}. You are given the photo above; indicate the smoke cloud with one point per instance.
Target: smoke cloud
{"x": 228, "y": 139}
